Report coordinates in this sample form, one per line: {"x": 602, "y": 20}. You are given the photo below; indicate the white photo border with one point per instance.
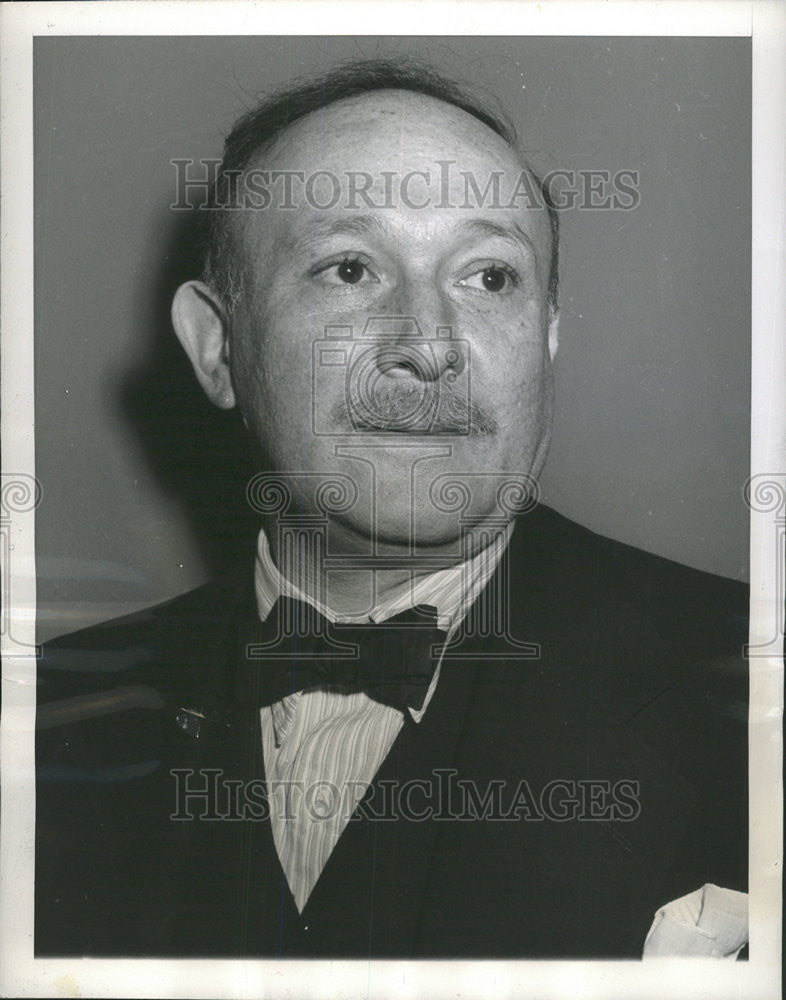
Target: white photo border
{"x": 23, "y": 976}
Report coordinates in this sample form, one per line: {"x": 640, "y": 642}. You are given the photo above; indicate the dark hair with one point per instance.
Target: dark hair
{"x": 259, "y": 128}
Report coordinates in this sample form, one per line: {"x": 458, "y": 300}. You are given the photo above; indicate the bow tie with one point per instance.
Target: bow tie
{"x": 297, "y": 648}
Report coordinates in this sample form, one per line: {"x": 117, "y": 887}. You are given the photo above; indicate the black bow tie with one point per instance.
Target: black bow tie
{"x": 297, "y": 648}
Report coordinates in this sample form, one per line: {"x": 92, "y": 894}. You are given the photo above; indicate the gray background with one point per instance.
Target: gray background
{"x": 651, "y": 439}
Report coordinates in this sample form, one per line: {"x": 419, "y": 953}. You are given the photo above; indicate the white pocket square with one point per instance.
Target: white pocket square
{"x": 710, "y": 922}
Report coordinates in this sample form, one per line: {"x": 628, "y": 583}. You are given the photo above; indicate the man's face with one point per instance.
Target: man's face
{"x": 393, "y": 410}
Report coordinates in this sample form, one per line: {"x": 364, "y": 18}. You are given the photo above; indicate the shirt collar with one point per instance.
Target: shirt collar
{"x": 451, "y": 591}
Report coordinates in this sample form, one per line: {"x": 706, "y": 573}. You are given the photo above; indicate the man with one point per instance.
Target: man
{"x": 433, "y": 718}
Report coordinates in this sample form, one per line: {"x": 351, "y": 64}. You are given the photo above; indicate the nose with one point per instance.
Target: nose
{"x": 408, "y": 360}
{"x": 415, "y": 330}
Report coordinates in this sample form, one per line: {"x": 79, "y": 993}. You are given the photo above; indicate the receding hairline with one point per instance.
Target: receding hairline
{"x": 269, "y": 147}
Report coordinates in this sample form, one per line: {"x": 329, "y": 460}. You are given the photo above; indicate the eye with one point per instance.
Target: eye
{"x": 348, "y": 271}
{"x": 494, "y": 278}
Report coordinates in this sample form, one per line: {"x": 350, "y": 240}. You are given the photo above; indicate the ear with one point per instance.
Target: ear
{"x": 553, "y": 334}
{"x": 202, "y": 329}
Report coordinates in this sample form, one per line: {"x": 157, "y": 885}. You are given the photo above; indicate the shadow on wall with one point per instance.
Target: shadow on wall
{"x": 199, "y": 455}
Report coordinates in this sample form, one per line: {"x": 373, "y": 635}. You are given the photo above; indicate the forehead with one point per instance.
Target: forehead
{"x": 396, "y": 127}
{"x": 408, "y": 157}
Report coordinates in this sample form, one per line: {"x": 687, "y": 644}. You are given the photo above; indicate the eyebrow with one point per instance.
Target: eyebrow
{"x": 513, "y": 233}
{"x": 358, "y": 225}
{"x": 373, "y": 225}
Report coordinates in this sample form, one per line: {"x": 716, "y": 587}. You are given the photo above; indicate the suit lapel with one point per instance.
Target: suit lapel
{"x": 215, "y": 726}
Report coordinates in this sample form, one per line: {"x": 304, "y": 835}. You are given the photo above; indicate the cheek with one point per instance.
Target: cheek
{"x": 512, "y": 373}
{"x": 520, "y": 393}
{"x": 271, "y": 370}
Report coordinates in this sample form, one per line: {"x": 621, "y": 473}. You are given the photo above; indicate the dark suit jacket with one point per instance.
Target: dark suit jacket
{"x": 618, "y": 755}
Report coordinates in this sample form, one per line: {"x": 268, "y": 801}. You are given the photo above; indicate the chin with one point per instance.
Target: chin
{"x": 392, "y": 532}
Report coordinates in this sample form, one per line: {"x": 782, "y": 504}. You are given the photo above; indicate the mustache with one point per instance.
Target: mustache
{"x": 394, "y": 407}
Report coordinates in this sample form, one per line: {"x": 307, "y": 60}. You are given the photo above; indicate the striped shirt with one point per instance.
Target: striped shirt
{"x": 322, "y": 747}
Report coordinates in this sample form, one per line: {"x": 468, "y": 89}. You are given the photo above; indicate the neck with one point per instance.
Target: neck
{"x": 364, "y": 587}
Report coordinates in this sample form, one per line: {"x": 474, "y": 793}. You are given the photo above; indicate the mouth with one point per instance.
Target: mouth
{"x": 365, "y": 427}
